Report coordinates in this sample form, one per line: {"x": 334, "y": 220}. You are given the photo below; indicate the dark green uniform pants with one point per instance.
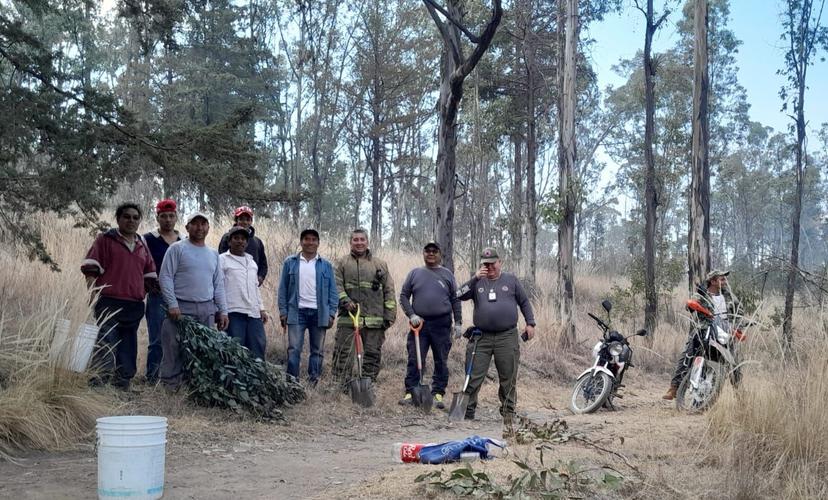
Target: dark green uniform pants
{"x": 343, "y": 365}
{"x": 505, "y": 348}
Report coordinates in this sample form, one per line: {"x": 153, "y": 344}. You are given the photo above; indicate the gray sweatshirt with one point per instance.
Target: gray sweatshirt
{"x": 433, "y": 291}
{"x": 192, "y": 273}
{"x": 501, "y": 313}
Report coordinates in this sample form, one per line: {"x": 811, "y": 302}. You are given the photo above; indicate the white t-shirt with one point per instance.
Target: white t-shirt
{"x": 241, "y": 284}
{"x": 307, "y": 282}
{"x": 719, "y": 305}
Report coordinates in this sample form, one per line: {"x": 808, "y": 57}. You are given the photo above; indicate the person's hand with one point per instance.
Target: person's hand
{"x": 174, "y": 313}
{"x": 283, "y": 320}
{"x": 351, "y": 306}
{"x": 265, "y": 317}
{"x": 223, "y": 321}
{"x": 386, "y": 323}
{"x": 530, "y": 332}
{"x": 261, "y": 280}
{"x": 482, "y": 272}
{"x": 331, "y": 321}
{"x": 458, "y": 331}
{"x": 415, "y": 320}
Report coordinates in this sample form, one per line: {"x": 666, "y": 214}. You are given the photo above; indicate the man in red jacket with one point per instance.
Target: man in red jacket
{"x": 119, "y": 264}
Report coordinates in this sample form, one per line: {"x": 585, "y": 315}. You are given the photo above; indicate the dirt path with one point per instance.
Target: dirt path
{"x": 332, "y": 448}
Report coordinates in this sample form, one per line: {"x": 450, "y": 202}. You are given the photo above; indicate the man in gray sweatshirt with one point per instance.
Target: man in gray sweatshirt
{"x": 192, "y": 284}
{"x": 497, "y": 297}
{"x": 433, "y": 290}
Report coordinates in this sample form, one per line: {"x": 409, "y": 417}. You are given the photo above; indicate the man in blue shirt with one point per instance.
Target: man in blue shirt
{"x": 158, "y": 242}
{"x": 307, "y": 301}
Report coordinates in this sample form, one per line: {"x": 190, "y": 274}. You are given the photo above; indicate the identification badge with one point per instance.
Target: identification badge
{"x": 492, "y": 296}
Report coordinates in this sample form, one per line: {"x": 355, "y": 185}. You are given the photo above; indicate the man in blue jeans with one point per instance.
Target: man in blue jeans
{"x": 307, "y": 301}
{"x": 158, "y": 242}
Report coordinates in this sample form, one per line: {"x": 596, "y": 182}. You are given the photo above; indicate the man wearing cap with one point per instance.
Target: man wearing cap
{"x": 307, "y": 301}
{"x": 243, "y": 216}
{"x": 714, "y": 295}
{"x": 192, "y": 284}
{"x": 497, "y": 297}
{"x": 429, "y": 297}
{"x": 244, "y": 302}
{"x": 121, "y": 265}
{"x": 362, "y": 279}
{"x": 158, "y": 241}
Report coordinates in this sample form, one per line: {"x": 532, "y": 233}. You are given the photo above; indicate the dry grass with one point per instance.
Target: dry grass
{"x": 772, "y": 439}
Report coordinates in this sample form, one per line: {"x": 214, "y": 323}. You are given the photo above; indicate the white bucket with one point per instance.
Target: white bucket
{"x": 131, "y": 457}
{"x": 82, "y": 346}
{"x": 59, "y": 340}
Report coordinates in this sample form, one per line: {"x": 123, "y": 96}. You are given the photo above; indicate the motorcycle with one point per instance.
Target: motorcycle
{"x": 598, "y": 385}
{"x": 717, "y": 358}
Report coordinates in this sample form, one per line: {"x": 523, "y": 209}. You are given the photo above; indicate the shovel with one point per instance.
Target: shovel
{"x": 362, "y": 388}
{"x": 460, "y": 400}
{"x": 421, "y": 394}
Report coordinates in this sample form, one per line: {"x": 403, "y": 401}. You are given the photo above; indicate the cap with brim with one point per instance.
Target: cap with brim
{"x": 308, "y": 231}
{"x": 238, "y": 230}
{"x": 197, "y": 215}
{"x": 432, "y": 244}
{"x": 166, "y": 205}
{"x": 489, "y": 256}
{"x": 715, "y": 274}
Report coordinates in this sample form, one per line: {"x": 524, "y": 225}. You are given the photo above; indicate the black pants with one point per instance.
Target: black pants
{"x": 691, "y": 350}
{"x": 436, "y": 334}
{"x": 116, "y": 352}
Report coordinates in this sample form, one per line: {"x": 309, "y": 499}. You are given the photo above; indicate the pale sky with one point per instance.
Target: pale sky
{"x": 755, "y": 23}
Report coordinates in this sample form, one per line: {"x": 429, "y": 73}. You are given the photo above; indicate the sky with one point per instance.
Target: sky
{"x": 755, "y": 22}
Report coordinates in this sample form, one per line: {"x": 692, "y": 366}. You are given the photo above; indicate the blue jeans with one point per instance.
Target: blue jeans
{"x": 155, "y": 318}
{"x": 308, "y": 320}
{"x": 249, "y": 332}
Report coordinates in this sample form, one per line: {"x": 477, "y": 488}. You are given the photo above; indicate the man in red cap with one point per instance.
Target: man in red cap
{"x": 158, "y": 242}
{"x": 243, "y": 216}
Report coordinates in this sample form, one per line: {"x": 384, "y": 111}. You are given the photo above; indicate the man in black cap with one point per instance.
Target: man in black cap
{"x": 433, "y": 290}
{"x": 497, "y": 297}
{"x": 307, "y": 301}
{"x": 714, "y": 295}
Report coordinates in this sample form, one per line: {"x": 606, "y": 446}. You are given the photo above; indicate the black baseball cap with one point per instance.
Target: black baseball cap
{"x": 238, "y": 230}
{"x": 432, "y": 244}
{"x": 308, "y": 231}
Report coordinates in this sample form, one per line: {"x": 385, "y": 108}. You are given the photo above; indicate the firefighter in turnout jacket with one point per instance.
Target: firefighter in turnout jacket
{"x": 362, "y": 278}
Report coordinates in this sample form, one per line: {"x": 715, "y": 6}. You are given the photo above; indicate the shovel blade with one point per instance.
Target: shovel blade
{"x": 421, "y": 397}
{"x": 362, "y": 391}
{"x": 457, "y": 410}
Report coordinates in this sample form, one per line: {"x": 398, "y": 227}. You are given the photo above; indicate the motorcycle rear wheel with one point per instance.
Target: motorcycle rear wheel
{"x": 698, "y": 400}
{"x": 590, "y": 392}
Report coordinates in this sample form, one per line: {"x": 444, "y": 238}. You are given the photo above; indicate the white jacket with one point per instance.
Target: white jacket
{"x": 241, "y": 285}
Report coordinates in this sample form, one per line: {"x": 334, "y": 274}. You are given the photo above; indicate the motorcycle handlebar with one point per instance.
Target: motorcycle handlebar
{"x": 600, "y": 322}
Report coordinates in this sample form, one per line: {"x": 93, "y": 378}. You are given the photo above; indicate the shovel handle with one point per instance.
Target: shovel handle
{"x": 416, "y": 331}
{"x": 358, "y": 342}
{"x": 355, "y": 317}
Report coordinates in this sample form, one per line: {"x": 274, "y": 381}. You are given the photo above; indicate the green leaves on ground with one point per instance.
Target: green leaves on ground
{"x": 220, "y": 372}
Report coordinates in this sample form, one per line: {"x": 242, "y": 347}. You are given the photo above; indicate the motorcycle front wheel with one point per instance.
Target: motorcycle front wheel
{"x": 590, "y": 392}
{"x": 698, "y": 399}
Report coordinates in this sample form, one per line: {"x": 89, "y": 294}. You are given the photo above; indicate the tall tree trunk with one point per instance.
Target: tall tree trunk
{"x": 531, "y": 160}
{"x": 517, "y": 201}
{"x": 699, "y": 238}
{"x": 650, "y": 195}
{"x": 566, "y": 227}
{"x": 376, "y": 162}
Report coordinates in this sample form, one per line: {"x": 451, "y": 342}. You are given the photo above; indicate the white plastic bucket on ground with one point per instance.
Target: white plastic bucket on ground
{"x": 82, "y": 347}
{"x": 59, "y": 340}
{"x": 131, "y": 452}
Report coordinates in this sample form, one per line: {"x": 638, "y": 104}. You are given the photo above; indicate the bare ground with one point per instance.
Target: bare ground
{"x": 332, "y": 448}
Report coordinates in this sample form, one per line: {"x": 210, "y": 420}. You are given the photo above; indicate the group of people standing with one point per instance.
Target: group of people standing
{"x": 182, "y": 276}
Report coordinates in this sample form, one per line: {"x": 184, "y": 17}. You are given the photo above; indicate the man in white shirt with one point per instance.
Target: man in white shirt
{"x": 307, "y": 301}
{"x": 244, "y": 302}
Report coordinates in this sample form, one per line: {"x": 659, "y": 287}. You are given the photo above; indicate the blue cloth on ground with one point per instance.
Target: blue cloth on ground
{"x": 450, "y": 451}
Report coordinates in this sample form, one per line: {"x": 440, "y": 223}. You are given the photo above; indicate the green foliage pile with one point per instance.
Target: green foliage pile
{"x": 222, "y": 373}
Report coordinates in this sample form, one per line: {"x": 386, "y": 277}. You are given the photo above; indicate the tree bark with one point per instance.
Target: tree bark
{"x": 517, "y": 201}
{"x": 567, "y": 146}
{"x": 698, "y": 251}
{"x": 531, "y": 160}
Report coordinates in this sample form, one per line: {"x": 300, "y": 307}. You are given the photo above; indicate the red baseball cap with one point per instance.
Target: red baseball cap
{"x": 244, "y": 209}
{"x": 165, "y": 205}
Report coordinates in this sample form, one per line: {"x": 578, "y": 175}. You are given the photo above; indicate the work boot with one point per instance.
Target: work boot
{"x": 671, "y": 393}
{"x": 508, "y": 428}
{"x": 438, "y": 402}
{"x": 406, "y": 400}
{"x": 468, "y": 416}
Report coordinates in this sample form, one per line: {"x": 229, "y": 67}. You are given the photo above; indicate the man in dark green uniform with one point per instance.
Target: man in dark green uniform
{"x": 497, "y": 296}
{"x": 362, "y": 278}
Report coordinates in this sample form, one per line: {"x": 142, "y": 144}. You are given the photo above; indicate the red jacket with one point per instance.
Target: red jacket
{"x": 120, "y": 271}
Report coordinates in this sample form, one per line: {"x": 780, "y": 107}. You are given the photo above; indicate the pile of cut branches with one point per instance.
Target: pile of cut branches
{"x": 220, "y": 372}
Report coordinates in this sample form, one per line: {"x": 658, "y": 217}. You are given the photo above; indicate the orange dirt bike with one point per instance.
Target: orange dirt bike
{"x": 716, "y": 359}
{"x": 597, "y": 386}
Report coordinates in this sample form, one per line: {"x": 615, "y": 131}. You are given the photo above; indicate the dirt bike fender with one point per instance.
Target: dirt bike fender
{"x": 594, "y": 369}
{"x": 725, "y": 352}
